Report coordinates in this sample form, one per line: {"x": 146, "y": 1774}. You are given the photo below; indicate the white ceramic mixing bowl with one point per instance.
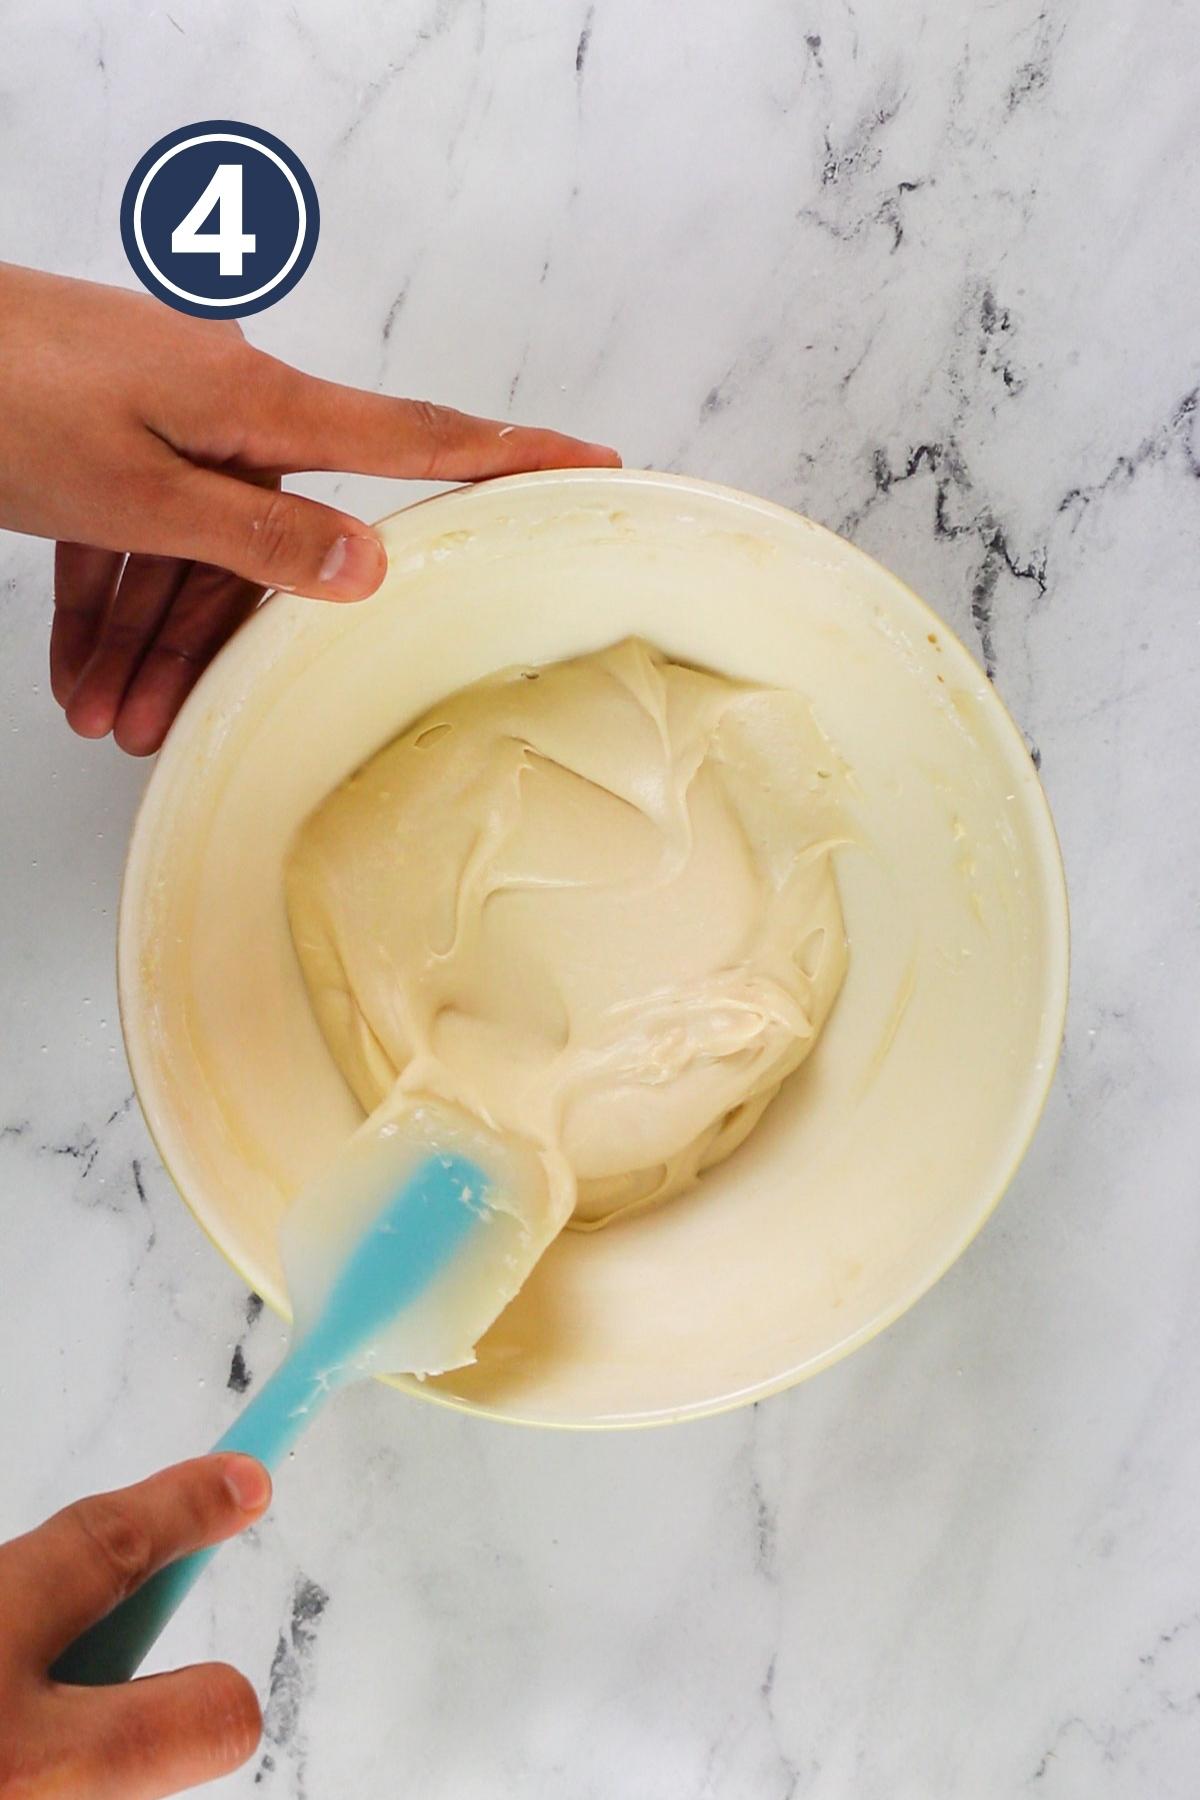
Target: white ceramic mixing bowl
{"x": 879, "y": 1161}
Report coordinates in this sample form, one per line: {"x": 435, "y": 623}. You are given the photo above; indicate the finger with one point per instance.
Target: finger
{"x": 165, "y": 1732}
{"x": 85, "y": 581}
{"x": 147, "y": 588}
{"x": 208, "y": 609}
{"x": 268, "y": 538}
{"x": 61, "y": 1578}
{"x": 300, "y": 422}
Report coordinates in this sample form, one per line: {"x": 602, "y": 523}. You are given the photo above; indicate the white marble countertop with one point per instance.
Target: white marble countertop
{"x": 928, "y": 273}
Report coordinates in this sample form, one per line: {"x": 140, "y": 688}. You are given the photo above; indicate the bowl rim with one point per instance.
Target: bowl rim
{"x": 1054, "y": 1010}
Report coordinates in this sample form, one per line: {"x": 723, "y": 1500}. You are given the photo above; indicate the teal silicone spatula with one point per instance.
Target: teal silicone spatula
{"x": 397, "y": 1260}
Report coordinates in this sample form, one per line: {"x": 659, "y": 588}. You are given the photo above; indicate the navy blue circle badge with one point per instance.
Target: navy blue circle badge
{"x": 219, "y": 219}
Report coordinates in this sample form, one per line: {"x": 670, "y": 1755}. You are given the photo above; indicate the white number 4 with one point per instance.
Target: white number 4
{"x": 228, "y": 241}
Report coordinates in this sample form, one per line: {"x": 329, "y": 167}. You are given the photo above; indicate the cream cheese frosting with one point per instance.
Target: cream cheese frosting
{"x": 593, "y": 904}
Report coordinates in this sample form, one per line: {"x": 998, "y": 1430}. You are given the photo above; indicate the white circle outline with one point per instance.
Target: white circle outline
{"x": 218, "y": 137}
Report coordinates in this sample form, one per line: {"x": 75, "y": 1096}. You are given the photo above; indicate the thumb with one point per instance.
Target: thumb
{"x": 272, "y": 539}
{"x": 58, "y": 1580}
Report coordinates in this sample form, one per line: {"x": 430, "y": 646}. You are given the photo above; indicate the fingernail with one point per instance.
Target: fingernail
{"x": 353, "y": 565}
{"x": 248, "y": 1482}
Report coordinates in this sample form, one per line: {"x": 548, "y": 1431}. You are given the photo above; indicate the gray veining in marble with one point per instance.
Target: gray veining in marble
{"x": 928, "y": 273}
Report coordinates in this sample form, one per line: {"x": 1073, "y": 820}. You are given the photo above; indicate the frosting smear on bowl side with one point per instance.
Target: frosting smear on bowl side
{"x": 591, "y": 903}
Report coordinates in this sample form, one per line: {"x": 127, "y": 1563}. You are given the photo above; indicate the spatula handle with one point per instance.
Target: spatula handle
{"x": 112, "y": 1650}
